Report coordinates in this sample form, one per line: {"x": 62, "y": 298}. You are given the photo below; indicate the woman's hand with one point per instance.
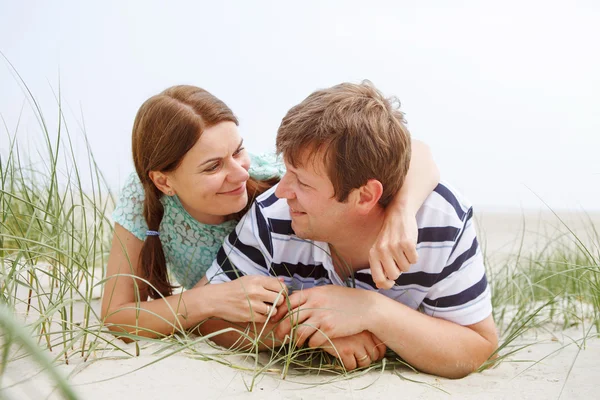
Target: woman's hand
{"x": 395, "y": 248}
{"x": 356, "y": 351}
{"x": 247, "y": 299}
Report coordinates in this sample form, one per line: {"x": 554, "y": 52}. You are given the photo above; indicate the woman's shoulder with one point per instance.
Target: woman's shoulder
{"x": 266, "y": 165}
{"x": 129, "y": 211}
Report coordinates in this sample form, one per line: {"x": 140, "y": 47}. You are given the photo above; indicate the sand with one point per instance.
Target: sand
{"x": 556, "y": 364}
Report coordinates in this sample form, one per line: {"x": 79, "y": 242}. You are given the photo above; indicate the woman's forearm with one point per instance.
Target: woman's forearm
{"x": 422, "y": 177}
{"x": 160, "y": 317}
{"x": 240, "y": 336}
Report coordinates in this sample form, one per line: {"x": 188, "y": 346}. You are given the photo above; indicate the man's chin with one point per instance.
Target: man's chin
{"x": 298, "y": 231}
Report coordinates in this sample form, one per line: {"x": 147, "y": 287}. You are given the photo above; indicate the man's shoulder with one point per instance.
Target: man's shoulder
{"x": 445, "y": 206}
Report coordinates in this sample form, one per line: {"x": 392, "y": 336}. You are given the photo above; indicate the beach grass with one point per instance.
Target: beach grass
{"x": 55, "y": 236}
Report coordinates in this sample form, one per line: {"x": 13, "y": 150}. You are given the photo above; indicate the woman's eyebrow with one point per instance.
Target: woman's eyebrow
{"x": 209, "y": 160}
{"x": 218, "y": 158}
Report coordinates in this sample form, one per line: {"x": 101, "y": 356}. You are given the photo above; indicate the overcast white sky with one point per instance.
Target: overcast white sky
{"x": 507, "y": 94}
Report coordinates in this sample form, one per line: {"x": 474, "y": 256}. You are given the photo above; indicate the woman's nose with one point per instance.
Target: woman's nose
{"x": 239, "y": 172}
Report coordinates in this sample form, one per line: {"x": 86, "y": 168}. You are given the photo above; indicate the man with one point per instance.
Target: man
{"x": 344, "y": 149}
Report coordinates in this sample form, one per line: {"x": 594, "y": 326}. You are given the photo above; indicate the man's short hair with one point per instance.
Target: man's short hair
{"x": 361, "y": 133}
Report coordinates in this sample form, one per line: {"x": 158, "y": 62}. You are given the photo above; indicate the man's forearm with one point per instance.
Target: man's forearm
{"x": 432, "y": 345}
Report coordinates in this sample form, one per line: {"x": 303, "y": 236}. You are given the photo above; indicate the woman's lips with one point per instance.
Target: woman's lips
{"x": 235, "y": 192}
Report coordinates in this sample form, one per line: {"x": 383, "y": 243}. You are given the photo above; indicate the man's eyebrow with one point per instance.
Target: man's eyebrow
{"x": 300, "y": 177}
{"x": 218, "y": 158}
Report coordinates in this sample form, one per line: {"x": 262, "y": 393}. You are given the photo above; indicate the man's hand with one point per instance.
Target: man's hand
{"x": 323, "y": 313}
{"x": 395, "y": 248}
{"x": 356, "y": 351}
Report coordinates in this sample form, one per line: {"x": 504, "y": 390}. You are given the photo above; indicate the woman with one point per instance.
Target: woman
{"x": 191, "y": 186}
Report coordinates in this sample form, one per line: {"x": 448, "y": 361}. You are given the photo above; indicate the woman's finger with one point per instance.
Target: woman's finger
{"x": 271, "y": 297}
{"x": 392, "y": 272}
{"x": 410, "y": 252}
{"x": 377, "y": 271}
{"x": 402, "y": 262}
{"x": 273, "y": 284}
{"x": 255, "y": 312}
{"x": 267, "y": 309}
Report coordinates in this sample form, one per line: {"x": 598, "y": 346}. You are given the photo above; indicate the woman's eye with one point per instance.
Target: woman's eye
{"x": 212, "y": 168}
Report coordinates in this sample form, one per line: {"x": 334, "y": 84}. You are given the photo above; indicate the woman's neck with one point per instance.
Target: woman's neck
{"x": 203, "y": 218}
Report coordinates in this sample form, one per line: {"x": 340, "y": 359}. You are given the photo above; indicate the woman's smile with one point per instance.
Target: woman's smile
{"x": 235, "y": 192}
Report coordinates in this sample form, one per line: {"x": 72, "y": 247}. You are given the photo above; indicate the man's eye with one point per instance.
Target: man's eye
{"x": 238, "y": 151}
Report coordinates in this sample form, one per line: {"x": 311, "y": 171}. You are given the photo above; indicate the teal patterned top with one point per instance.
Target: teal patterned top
{"x": 189, "y": 246}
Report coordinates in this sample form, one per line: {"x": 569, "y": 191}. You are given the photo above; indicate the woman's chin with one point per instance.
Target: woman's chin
{"x": 237, "y": 204}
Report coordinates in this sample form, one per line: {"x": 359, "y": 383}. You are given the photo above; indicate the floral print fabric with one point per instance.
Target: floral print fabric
{"x": 189, "y": 246}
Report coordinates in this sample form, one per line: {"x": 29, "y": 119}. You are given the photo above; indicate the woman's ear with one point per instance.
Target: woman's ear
{"x": 368, "y": 196}
{"x": 161, "y": 181}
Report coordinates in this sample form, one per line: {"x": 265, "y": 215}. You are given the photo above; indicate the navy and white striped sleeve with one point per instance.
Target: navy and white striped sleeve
{"x": 246, "y": 251}
{"x": 462, "y": 293}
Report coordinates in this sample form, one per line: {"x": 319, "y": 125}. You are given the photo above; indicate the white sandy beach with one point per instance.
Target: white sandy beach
{"x": 556, "y": 364}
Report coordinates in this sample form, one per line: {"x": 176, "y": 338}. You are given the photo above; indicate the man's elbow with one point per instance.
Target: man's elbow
{"x": 482, "y": 355}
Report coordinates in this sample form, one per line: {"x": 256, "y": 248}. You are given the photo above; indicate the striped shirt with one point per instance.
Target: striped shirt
{"x": 447, "y": 282}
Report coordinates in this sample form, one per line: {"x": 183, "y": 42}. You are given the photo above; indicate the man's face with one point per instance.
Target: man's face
{"x": 315, "y": 212}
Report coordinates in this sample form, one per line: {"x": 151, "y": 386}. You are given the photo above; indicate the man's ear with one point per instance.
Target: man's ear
{"x": 161, "y": 181}
{"x": 368, "y": 196}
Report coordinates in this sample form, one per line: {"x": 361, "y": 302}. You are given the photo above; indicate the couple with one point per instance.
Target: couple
{"x": 338, "y": 230}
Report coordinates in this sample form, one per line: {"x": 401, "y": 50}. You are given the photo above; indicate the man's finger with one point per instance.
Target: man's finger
{"x": 292, "y": 302}
{"x": 282, "y": 310}
{"x": 348, "y": 360}
{"x": 303, "y": 332}
{"x": 319, "y": 339}
{"x": 363, "y": 360}
{"x": 381, "y": 347}
{"x": 297, "y": 299}
{"x": 294, "y": 317}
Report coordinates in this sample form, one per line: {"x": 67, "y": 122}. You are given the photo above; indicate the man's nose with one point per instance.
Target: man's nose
{"x": 283, "y": 190}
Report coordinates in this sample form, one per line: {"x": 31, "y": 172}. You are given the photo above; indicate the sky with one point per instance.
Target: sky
{"x": 506, "y": 94}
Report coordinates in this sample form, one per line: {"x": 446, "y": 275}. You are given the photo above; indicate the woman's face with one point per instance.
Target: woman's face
{"x": 211, "y": 179}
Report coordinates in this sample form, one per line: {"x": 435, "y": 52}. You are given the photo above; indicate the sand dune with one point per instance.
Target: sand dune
{"x": 555, "y": 364}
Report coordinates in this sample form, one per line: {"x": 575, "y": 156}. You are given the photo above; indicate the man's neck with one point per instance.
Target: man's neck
{"x": 350, "y": 251}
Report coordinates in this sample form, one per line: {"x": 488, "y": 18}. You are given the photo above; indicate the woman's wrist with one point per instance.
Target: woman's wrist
{"x": 402, "y": 206}
{"x": 200, "y": 304}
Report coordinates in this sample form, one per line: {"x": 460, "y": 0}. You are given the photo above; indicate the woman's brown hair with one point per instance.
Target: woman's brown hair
{"x": 166, "y": 127}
